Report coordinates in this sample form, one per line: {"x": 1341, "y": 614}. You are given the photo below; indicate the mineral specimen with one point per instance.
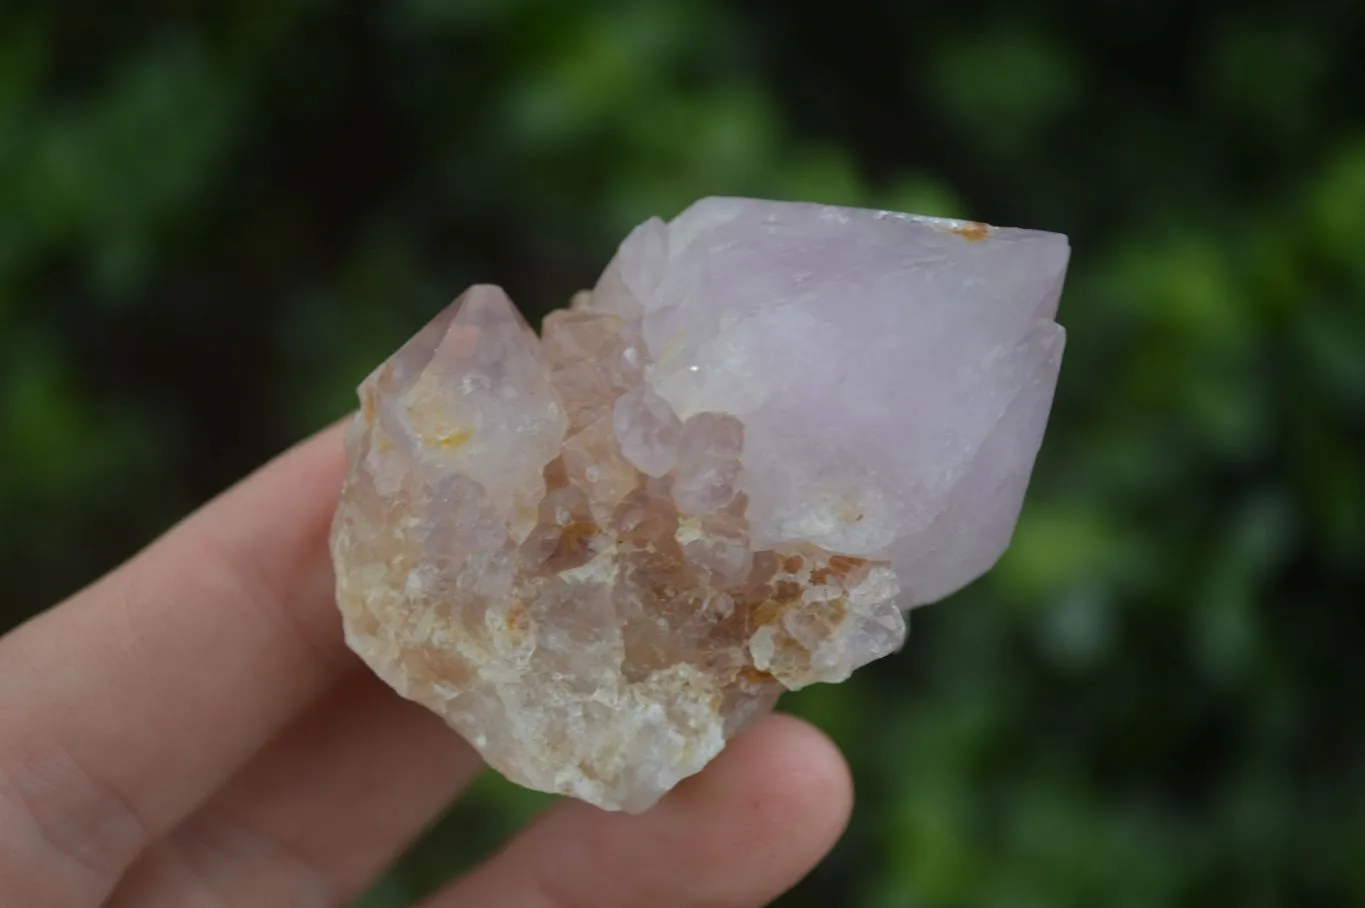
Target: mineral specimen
{"x": 727, "y": 471}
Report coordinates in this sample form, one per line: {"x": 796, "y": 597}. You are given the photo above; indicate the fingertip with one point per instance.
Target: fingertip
{"x": 741, "y": 832}
{"x": 807, "y": 777}
{"x": 780, "y": 793}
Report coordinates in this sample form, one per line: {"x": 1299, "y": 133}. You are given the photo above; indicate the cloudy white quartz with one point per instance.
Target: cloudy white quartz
{"x": 768, "y": 431}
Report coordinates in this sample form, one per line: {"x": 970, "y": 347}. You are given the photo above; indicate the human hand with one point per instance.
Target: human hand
{"x": 190, "y": 730}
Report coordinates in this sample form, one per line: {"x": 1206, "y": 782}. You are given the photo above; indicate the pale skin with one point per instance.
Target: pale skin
{"x": 191, "y": 731}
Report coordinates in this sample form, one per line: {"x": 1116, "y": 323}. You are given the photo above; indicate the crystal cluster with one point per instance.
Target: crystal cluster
{"x": 727, "y": 471}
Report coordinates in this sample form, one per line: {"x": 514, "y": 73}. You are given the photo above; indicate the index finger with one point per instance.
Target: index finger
{"x": 122, "y": 709}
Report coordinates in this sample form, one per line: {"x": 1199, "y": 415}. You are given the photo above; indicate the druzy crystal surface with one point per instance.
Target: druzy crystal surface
{"x": 727, "y": 471}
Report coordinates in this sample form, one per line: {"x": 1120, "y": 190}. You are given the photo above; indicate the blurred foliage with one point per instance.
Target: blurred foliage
{"x": 215, "y": 218}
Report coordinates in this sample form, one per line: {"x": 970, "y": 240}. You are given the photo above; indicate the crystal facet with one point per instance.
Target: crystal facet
{"x": 728, "y": 471}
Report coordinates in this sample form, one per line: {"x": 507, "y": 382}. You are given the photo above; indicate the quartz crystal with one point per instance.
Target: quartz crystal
{"x": 727, "y": 471}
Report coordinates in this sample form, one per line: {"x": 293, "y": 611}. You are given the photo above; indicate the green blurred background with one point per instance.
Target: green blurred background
{"x": 214, "y": 219}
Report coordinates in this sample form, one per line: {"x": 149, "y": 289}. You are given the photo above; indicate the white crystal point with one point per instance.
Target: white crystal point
{"x": 647, "y": 429}
{"x": 636, "y": 271}
{"x": 769, "y": 430}
{"x": 870, "y": 356}
{"x": 504, "y": 423}
{"x": 708, "y": 462}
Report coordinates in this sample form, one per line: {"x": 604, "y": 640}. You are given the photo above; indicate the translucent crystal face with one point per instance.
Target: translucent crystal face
{"x": 726, "y": 472}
